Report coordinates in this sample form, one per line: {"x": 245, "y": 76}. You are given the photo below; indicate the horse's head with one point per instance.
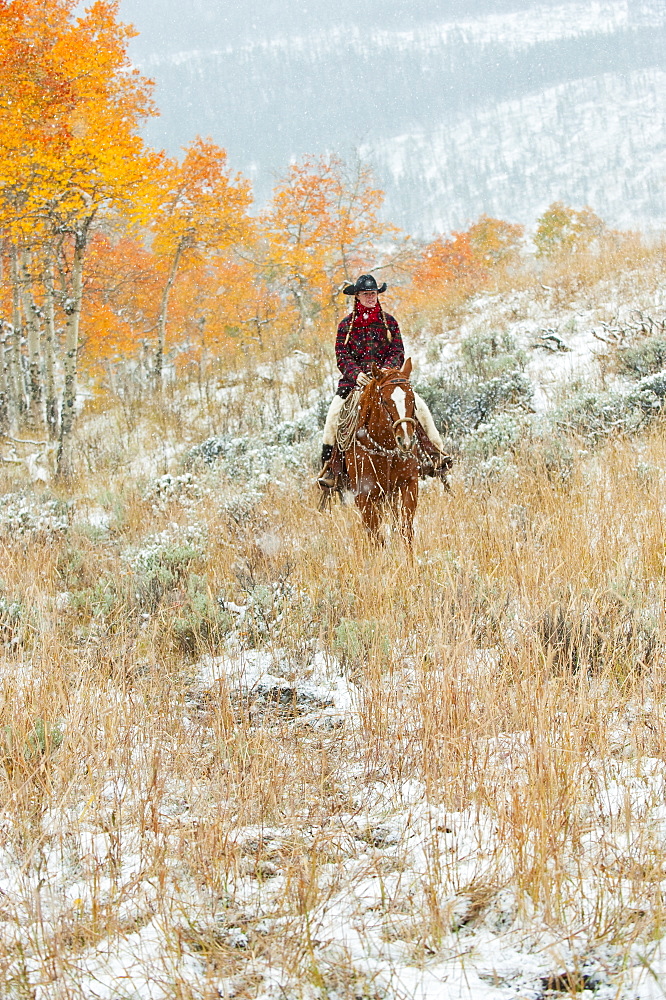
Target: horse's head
{"x": 397, "y": 398}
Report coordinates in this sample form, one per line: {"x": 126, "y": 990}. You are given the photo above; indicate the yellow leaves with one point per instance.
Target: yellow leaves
{"x": 199, "y": 204}
{"x": 495, "y": 242}
{"x": 70, "y": 113}
{"x": 321, "y": 225}
{"x": 563, "y": 230}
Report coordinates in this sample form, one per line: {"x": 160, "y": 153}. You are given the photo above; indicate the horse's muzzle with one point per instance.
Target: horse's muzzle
{"x": 408, "y": 443}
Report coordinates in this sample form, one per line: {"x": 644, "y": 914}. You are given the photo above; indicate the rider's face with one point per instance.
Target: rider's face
{"x": 368, "y": 299}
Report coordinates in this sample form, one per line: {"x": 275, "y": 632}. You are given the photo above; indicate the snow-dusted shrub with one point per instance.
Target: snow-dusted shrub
{"x": 210, "y": 450}
{"x": 654, "y": 385}
{"x": 304, "y": 427}
{"x": 98, "y": 601}
{"x": 596, "y": 415}
{"x": 276, "y": 613}
{"x": 642, "y": 359}
{"x": 239, "y": 506}
{"x": 183, "y": 488}
{"x": 493, "y": 470}
{"x": 502, "y": 433}
{"x": 164, "y": 561}
{"x": 256, "y": 458}
{"x": 201, "y": 623}
{"x": 163, "y": 571}
{"x": 488, "y": 355}
{"x": 354, "y": 640}
{"x": 12, "y": 621}
{"x": 21, "y": 515}
{"x": 287, "y": 443}
{"x": 460, "y": 402}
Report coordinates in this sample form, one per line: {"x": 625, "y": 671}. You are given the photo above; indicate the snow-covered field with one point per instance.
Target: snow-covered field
{"x": 392, "y": 891}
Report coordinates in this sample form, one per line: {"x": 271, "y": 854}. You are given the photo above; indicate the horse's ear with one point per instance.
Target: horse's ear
{"x": 375, "y": 370}
{"x": 407, "y": 368}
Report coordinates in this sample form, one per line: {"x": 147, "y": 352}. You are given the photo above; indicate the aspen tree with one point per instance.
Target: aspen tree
{"x": 69, "y": 143}
{"x": 202, "y": 211}
{"x": 322, "y": 224}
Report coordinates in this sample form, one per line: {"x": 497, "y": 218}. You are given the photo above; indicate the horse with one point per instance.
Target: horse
{"x": 381, "y": 466}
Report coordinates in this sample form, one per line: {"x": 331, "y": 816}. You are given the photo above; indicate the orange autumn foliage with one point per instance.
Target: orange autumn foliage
{"x": 224, "y": 312}
{"x": 121, "y": 297}
{"x": 69, "y": 141}
{"x": 201, "y": 211}
{"x": 449, "y": 266}
{"x": 450, "y": 270}
{"x": 319, "y": 230}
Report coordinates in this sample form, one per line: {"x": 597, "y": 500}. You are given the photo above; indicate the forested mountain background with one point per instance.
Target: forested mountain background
{"x": 462, "y": 108}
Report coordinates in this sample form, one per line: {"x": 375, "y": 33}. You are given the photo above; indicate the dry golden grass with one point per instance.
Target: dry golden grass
{"x": 499, "y": 776}
{"x": 513, "y": 668}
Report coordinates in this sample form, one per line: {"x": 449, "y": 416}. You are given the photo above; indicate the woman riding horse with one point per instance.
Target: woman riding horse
{"x": 365, "y": 337}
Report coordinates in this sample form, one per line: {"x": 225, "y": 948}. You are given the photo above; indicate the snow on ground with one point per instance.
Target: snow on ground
{"x": 561, "y": 342}
{"x": 413, "y": 897}
{"x": 324, "y": 699}
{"x": 415, "y": 894}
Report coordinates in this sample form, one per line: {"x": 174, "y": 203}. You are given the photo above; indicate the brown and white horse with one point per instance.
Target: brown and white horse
{"x": 381, "y": 464}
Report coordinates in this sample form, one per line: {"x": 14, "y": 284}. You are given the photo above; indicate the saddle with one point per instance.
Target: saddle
{"x": 431, "y": 461}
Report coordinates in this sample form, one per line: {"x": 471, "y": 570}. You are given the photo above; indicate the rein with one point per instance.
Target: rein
{"x": 377, "y": 448}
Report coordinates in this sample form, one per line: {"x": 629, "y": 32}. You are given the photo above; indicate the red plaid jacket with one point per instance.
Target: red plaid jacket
{"x": 365, "y": 345}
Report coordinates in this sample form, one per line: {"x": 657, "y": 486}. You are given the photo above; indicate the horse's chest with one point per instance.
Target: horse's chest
{"x": 372, "y": 473}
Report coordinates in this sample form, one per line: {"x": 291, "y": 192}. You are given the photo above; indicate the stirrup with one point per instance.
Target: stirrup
{"x": 326, "y": 478}
{"x": 442, "y": 462}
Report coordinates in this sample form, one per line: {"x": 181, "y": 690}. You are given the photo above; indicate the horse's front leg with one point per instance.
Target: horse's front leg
{"x": 395, "y": 504}
{"x": 409, "y": 493}
{"x": 369, "y": 508}
{"x": 368, "y": 495}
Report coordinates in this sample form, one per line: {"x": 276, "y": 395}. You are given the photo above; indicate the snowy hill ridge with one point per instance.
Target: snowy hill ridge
{"x": 441, "y": 96}
{"x": 599, "y": 141}
{"x": 518, "y": 29}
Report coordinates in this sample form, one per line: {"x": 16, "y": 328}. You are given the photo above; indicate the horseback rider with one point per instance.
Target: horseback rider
{"x": 365, "y": 337}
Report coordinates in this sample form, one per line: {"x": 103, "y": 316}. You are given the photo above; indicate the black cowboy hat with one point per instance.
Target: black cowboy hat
{"x": 364, "y": 283}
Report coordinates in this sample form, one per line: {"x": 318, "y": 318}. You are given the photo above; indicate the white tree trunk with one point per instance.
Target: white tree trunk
{"x": 4, "y": 380}
{"x": 15, "y": 363}
{"x": 50, "y": 397}
{"x": 162, "y": 321}
{"x": 31, "y": 313}
{"x": 73, "y": 310}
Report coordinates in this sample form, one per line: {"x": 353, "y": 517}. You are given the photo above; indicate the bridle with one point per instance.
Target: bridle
{"x": 380, "y": 449}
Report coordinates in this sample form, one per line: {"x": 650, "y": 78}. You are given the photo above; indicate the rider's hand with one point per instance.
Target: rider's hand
{"x": 362, "y": 379}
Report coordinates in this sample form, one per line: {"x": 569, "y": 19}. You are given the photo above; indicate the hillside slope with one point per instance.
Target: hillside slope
{"x": 500, "y": 111}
